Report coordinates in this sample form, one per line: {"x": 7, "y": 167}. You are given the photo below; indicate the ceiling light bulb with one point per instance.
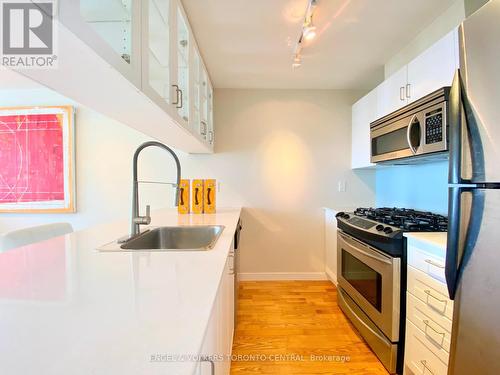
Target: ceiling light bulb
{"x": 309, "y": 32}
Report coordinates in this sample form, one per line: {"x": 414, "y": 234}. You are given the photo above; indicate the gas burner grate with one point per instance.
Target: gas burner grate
{"x": 408, "y": 220}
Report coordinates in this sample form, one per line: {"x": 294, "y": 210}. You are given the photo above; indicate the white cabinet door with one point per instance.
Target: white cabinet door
{"x": 391, "y": 93}
{"x": 364, "y": 111}
{"x": 434, "y": 68}
{"x": 218, "y": 341}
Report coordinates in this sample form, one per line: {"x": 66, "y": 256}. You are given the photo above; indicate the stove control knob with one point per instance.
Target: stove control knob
{"x": 379, "y": 227}
{"x": 340, "y": 214}
{"x": 387, "y": 230}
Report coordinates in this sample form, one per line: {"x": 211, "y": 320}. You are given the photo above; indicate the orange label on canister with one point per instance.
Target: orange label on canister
{"x": 197, "y": 197}
{"x": 183, "y": 207}
{"x": 209, "y": 191}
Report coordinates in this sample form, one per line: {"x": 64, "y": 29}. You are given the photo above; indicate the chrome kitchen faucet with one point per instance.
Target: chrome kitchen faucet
{"x": 137, "y": 220}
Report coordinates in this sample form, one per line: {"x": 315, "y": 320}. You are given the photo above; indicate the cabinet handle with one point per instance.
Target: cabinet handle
{"x": 428, "y": 292}
{"x": 424, "y": 363}
{"x": 182, "y": 100}
{"x": 212, "y": 364}
{"x": 408, "y": 90}
{"x": 203, "y": 128}
{"x": 402, "y": 93}
{"x": 176, "y": 95}
{"x": 427, "y": 325}
{"x": 210, "y": 136}
{"x": 429, "y": 261}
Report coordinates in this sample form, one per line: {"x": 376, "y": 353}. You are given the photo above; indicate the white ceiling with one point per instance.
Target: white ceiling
{"x": 249, "y": 43}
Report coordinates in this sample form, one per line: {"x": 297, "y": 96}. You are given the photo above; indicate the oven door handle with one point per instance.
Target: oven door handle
{"x": 379, "y": 258}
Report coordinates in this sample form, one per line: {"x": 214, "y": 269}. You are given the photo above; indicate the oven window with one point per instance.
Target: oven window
{"x": 390, "y": 142}
{"x": 364, "y": 279}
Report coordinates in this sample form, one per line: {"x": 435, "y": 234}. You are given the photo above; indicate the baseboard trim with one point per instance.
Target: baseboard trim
{"x": 262, "y": 276}
{"x": 331, "y": 275}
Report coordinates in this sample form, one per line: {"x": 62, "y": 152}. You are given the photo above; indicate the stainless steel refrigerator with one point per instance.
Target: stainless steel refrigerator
{"x": 473, "y": 254}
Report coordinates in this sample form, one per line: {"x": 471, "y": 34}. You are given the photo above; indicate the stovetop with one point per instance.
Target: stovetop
{"x": 383, "y": 228}
{"x": 407, "y": 220}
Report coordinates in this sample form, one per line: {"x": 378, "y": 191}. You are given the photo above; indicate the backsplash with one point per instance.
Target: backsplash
{"x": 422, "y": 187}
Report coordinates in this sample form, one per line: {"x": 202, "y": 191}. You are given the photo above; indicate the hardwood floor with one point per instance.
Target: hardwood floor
{"x": 297, "y": 320}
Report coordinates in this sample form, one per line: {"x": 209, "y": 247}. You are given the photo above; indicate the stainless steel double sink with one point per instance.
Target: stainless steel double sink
{"x": 176, "y": 238}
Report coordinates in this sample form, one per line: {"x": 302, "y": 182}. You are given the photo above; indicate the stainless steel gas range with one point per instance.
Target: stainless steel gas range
{"x": 371, "y": 273}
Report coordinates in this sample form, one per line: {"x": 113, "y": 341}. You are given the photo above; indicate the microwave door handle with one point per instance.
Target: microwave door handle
{"x": 408, "y": 133}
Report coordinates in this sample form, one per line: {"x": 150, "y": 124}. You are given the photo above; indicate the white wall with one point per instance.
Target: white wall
{"x": 280, "y": 154}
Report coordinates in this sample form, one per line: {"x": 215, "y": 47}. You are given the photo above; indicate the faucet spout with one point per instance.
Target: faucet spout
{"x": 137, "y": 220}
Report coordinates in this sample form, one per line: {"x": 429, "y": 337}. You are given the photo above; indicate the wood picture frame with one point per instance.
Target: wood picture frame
{"x": 37, "y": 159}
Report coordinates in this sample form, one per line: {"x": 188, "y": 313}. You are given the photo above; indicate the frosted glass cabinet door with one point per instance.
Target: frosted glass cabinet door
{"x": 157, "y": 67}
{"x": 112, "y": 20}
{"x": 210, "y": 117}
{"x": 111, "y": 27}
{"x": 204, "y": 104}
{"x": 196, "y": 92}
{"x": 182, "y": 48}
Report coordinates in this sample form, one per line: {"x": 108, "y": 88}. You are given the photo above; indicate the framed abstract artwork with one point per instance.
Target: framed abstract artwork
{"x": 37, "y": 159}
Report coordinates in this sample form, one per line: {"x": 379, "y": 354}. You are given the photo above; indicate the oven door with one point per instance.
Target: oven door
{"x": 372, "y": 279}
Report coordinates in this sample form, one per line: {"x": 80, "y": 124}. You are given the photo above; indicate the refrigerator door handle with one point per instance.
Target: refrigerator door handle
{"x": 474, "y": 135}
{"x": 460, "y": 245}
{"x": 460, "y": 108}
{"x": 455, "y": 130}
{"x": 453, "y": 241}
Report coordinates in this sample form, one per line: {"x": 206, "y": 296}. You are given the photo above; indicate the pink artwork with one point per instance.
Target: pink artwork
{"x": 36, "y": 159}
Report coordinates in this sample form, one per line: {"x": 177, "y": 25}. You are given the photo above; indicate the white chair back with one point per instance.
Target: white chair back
{"x": 26, "y": 236}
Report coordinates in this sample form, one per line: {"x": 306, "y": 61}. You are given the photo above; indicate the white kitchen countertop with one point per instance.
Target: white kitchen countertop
{"x": 433, "y": 242}
{"x": 66, "y": 308}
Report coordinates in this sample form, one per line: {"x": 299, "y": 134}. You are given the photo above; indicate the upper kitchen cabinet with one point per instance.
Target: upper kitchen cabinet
{"x": 111, "y": 28}
{"x": 431, "y": 70}
{"x": 364, "y": 111}
{"x": 132, "y": 61}
{"x": 391, "y": 93}
{"x": 434, "y": 68}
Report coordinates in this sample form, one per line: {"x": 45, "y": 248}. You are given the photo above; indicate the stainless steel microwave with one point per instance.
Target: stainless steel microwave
{"x": 414, "y": 132}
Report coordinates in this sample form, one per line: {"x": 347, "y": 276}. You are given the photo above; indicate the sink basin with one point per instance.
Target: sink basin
{"x": 182, "y": 238}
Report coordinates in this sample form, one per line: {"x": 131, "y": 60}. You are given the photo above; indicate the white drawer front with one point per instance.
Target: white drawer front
{"x": 427, "y": 263}
{"x": 430, "y": 291}
{"x": 438, "y": 336}
{"x": 418, "y": 358}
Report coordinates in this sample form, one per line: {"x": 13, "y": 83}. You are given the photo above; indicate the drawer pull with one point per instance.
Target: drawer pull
{"x": 427, "y": 325}
{"x": 424, "y": 363}
{"x": 432, "y": 263}
{"x": 428, "y": 292}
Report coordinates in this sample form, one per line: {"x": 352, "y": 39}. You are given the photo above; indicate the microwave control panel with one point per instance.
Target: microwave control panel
{"x": 434, "y": 127}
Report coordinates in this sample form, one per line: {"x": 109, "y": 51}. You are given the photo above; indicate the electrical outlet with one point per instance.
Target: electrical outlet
{"x": 341, "y": 186}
